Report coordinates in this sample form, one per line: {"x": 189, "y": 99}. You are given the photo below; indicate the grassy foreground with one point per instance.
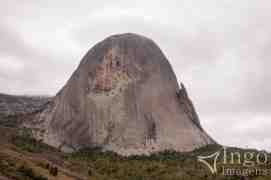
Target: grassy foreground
{"x": 24, "y": 158}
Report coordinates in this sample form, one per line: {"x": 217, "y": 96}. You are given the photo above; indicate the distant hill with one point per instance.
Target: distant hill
{"x": 13, "y": 105}
{"x": 14, "y": 108}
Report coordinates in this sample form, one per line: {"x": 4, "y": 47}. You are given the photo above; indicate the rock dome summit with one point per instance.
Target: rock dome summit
{"x": 123, "y": 97}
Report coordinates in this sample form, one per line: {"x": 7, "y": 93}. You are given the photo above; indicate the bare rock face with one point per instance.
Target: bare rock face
{"x": 123, "y": 97}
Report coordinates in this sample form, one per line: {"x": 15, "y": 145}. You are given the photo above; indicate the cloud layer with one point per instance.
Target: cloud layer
{"x": 221, "y": 50}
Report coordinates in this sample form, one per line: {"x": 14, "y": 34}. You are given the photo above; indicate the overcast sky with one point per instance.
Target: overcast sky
{"x": 221, "y": 50}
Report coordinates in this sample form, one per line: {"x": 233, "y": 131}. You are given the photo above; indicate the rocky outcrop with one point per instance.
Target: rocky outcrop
{"x": 188, "y": 106}
{"x": 123, "y": 97}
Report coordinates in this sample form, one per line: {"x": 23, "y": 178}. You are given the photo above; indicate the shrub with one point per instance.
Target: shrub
{"x": 53, "y": 171}
{"x": 25, "y": 141}
{"x": 29, "y": 174}
{"x": 47, "y": 166}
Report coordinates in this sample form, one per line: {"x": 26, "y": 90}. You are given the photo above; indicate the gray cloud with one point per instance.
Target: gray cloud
{"x": 221, "y": 50}
{"x": 25, "y": 69}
